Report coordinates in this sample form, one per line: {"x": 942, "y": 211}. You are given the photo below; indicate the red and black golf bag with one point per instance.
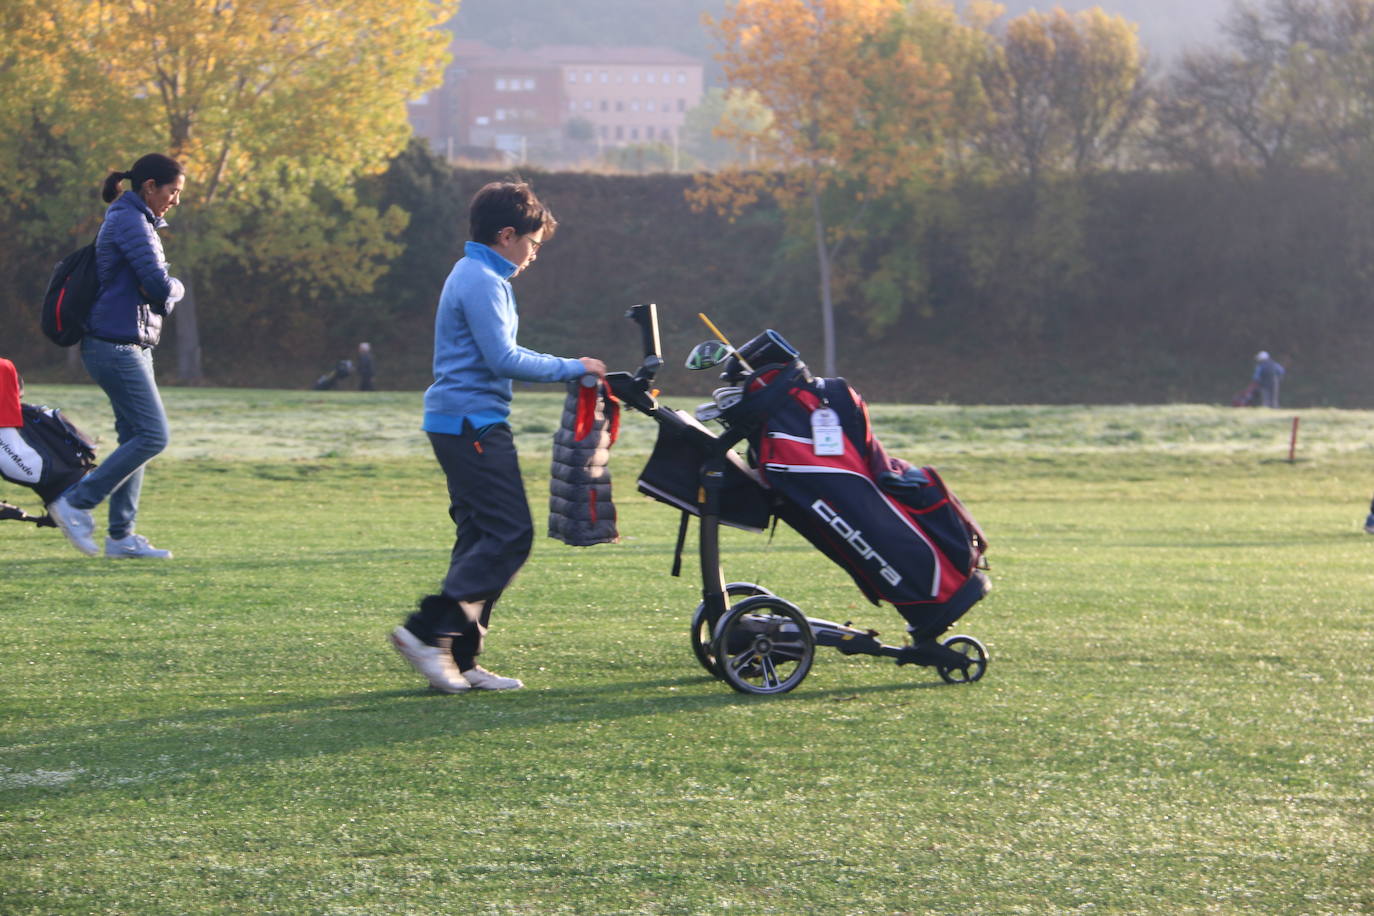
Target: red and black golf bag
{"x": 898, "y": 530}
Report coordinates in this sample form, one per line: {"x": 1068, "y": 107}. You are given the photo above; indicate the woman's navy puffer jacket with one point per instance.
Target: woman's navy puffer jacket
{"x": 136, "y": 292}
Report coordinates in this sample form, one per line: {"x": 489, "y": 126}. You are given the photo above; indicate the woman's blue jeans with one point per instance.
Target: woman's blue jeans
{"x": 125, "y": 372}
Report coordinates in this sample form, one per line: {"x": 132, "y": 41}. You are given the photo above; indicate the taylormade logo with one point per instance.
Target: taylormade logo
{"x": 13, "y": 457}
{"x": 855, "y": 538}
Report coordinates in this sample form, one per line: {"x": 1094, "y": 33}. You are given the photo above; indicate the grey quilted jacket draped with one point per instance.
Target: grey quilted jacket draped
{"x": 581, "y": 512}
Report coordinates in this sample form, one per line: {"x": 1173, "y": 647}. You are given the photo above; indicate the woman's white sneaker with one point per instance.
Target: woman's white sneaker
{"x": 76, "y": 524}
{"x": 134, "y": 545}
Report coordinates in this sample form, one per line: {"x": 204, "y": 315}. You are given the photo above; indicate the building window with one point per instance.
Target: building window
{"x": 529, "y": 83}
{"x": 681, "y": 78}
{"x": 619, "y": 132}
{"x": 500, "y": 114}
{"x": 634, "y": 133}
{"x": 650, "y": 77}
{"x": 605, "y": 77}
{"x": 619, "y": 105}
{"x": 572, "y": 76}
{"x": 500, "y": 84}
{"x": 665, "y": 79}
{"x": 603, "y": 131}
{"x": 681, "y": 104}
{"x": 634, "y": 106}
{"x": 588, "y": 76}
{"x": 605, "y": 105}
{"x": 422, "y": 100}
{"x": 587, "y": 105}
{"x": 649, "y": 105}
{"x": 634, "y": 78}
{"x": 620, "y": 78}
{"x": 572, "y": 105}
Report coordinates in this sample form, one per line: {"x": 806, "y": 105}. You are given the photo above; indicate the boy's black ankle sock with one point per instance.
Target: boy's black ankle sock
{"x": 437, "y": 617}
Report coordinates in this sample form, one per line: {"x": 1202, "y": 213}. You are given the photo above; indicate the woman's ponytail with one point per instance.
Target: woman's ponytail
{"x": 111, "y": 189}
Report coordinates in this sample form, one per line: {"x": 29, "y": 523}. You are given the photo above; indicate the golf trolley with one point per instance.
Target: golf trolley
{"x": 813, "y": 463}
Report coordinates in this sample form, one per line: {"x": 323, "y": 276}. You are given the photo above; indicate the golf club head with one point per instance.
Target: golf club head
{"x": 728, "y": 396}
{"x": 707, "y": 354}
{"x": 708, "y": 411}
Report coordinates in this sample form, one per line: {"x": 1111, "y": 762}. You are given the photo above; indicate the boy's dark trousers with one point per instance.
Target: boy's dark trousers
{"x": 495, "y": 531}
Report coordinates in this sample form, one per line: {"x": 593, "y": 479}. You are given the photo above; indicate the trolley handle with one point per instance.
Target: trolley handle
{"x": 635, "y": 390}
{"x": 646, "y": 316}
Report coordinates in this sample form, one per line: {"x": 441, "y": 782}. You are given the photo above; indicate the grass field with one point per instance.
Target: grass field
{"x": 1178, "y": 715}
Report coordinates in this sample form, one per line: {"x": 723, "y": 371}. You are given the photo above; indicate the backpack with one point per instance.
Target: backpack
{"x": 72, "y": 291}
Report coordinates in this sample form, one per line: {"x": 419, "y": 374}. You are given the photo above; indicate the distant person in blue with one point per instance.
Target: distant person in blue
{"x": 136, "y": 294}
{"x": 467, "y": 413}
{"x": 1268, "y": 374}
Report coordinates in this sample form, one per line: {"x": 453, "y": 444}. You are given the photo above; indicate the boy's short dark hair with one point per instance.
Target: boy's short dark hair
{"x": 508, "y": 203}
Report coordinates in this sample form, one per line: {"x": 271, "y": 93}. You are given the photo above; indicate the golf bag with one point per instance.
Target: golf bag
{"x": 1249, "y": 396}
{"x": 898, "y": 530}
{"x": 47, "y": 454}
{"x": 39, "y": 448}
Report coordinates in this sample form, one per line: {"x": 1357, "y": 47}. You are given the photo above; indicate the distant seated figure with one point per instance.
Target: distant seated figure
{"x": 365, "y": 369}
{"x": 342, "y": 370}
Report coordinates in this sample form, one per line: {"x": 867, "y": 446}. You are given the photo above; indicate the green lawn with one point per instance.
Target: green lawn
{"x": 1177, "y": 718}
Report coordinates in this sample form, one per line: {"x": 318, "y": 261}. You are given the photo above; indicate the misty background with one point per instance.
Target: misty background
{"x": 1145, "y": 258}
{"x": 1166, "y": 26}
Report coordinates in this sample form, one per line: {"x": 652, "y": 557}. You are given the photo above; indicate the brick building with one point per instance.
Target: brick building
{"x": 544, "y": 102}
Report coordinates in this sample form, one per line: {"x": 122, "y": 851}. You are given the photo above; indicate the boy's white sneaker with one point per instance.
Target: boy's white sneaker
{"x": 76, "y": 524}
{"x": 482, "y": 679}
{"x": 434, "y": 662}
{"x": 134, "y": 545}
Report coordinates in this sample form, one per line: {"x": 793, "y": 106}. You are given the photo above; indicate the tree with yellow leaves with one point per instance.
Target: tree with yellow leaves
{"x": 861, "y": 97}
{"x": 267, "y": 103}
{"x": 1064, "y": 90}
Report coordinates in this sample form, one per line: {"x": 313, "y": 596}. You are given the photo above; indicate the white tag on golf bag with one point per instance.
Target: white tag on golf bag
{"x": 827, "y": 437}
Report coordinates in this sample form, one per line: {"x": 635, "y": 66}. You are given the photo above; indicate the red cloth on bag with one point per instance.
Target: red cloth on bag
{"x": 588, "y": 399}
{"x": 10, "y": 414}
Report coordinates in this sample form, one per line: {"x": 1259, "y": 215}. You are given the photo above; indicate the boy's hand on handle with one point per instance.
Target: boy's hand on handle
{"x": 593, "y": 366}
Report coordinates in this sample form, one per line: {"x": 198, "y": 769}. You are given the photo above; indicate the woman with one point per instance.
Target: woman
{"x": 136, "y": 293}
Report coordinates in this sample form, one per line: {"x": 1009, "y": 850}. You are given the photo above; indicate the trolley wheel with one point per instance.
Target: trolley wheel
{"x": 701, "y": 627}
{"x": 763, "y": 645}
{"x": 971, "y": 649}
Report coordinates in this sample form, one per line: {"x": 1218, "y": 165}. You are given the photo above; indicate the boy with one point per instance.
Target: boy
{"x": 466, "y": 417}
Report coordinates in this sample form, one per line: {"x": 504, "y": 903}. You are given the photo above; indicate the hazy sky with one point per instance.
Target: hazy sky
{"x": 1166, "y": 26}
